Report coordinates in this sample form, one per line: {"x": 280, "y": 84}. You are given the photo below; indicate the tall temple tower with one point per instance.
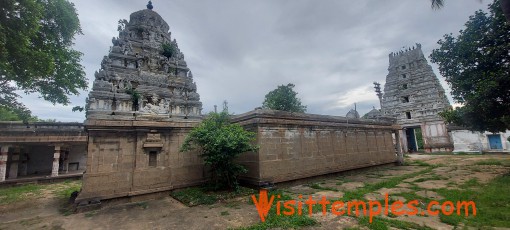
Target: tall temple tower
{"x": 144, "y": 76}
{"x": 414, "y": 96}
{"x": 142, "y": 105}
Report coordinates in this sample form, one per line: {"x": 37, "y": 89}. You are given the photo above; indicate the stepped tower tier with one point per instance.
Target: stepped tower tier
{"x": 412, "y": 91}
{"x": 415, "y": 97}
{"x": 144, "y": 75}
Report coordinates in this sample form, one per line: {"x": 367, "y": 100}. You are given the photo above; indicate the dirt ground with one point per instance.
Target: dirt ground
{"x": 44, "y": 212}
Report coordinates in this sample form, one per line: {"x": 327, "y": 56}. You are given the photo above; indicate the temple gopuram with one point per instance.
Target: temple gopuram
{"x": 142, "y": 105}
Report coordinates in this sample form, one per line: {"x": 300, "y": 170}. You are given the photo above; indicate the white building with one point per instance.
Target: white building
{"x": 469, "y": 141}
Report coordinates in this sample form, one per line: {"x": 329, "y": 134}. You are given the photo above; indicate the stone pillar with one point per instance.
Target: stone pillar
{"x": 400, "y": 155}
{"x": 56, "y": 157}
{"x": 3, "y": 161}
{"x": 66, "y": 161}
{"x": 13, "y": 170}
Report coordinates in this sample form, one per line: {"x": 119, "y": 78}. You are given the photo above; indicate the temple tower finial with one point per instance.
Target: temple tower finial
{"x": 149, "y": 5}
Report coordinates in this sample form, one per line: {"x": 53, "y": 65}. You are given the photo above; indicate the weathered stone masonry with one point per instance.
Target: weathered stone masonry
{"x": 414, "y": 96}
{"x": 127, "y": 158}
{"x": 295, "y": 146}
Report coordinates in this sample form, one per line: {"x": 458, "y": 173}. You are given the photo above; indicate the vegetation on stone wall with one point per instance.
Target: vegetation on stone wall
{"x": 135, "y": 96}
{"x": 36, "y": 54}
{"x": 169, "y": 50}
{"x": 219, "y": 144}
{"x": 284, "y": 98}
{"x": 476, "y": 66}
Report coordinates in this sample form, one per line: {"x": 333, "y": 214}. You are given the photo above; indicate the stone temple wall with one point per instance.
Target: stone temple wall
{"x": 127, "y": 158}
{"x": 292, "y": 146}
{"x": 295, "y": 146}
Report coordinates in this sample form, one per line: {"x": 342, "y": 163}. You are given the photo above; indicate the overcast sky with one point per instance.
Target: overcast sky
{"x": 239, "y": 50}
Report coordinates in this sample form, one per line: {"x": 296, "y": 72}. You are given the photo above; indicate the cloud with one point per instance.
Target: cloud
{"x": 239, "y": 50}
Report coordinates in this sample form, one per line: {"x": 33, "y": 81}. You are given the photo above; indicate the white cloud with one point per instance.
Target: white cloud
{"x": 239, "y": 50}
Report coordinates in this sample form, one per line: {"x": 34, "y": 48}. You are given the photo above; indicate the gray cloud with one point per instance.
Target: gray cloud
{"x": 239, "y": 50}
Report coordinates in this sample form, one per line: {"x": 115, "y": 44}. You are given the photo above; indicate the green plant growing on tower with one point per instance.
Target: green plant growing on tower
{"x": 169, "y": 49}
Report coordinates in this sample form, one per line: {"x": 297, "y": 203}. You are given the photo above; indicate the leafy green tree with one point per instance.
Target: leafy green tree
{"x": 284, "y": 98}
{"x": 505, "y": 6}
{"x": 220, "y": 143}
{"x": 476, "y": 65}
{"x": 7, "y": 114}
{"x": 36, "y": 55}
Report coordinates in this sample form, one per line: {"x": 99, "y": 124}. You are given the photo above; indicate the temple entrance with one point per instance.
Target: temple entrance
{"x": 414, "y": 139}
{"x": 411, "y": 140}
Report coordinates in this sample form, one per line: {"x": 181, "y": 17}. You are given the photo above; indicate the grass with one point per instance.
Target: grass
{"x": 473, "y": 182}
{"x": 143, "y": 205}
{"x": 31, "y": 191}
{"x": 419, "y": 163}
{"x": 489, "y": 162}
{"x": 278, "y": 195}
{"x": 203, "y": 196}
{"x": 274, "y": 221}
{"x": 454, "y": 153}
{"x": 14, "y": 194}
{"x": 90, "y": 214}
{"x": 67, "y": 188}
{"x": 433, "y": 177}
{"x": 492, "y": 203}
{"x": 390, "y": 183}
{"x": 194, "y": 196}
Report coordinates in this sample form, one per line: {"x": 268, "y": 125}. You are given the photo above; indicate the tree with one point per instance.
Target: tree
{"x": 505, "y": 6}
{"x": 9, "y": 115}
{"x": 220, "y": 143}
{"x": 476, "y": 65}
{"x": 284, "y": 98}
{"x": 36, "y": 55}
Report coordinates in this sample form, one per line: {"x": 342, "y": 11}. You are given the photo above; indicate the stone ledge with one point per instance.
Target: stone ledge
{"x": 275, "y": 117}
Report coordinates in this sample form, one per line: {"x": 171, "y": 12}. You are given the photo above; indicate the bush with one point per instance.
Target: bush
{"x": 220, "y": 143}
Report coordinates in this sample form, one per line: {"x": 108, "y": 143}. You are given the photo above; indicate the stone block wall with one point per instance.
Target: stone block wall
{"x": 295, "y": 146}
{"x": 118, "y": 163}
{"x": 292, "y": 146}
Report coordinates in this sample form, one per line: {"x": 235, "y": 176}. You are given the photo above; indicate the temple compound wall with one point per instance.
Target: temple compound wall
{"x": 128, "y": 158}
{"x": 144, "y": 102}
{"x": 296, "y": 146}
{"x": 41, "y": 149}
{"x": 414, "y": 96}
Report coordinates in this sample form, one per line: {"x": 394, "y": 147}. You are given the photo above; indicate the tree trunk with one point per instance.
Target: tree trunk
{"x": 505, "y": 6}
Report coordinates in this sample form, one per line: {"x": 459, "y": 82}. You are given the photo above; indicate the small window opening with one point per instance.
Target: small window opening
{"x": 404, "y": 86}
{"x": 404, "y": 76}
{"x": 408, "y": 115}
{"x": 153, "y": 158}
{"x": 405, "y": 99}
{"x": 403, "y": 67}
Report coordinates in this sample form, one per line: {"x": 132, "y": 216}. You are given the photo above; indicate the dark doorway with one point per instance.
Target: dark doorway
{"x": 411, "y": 140}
